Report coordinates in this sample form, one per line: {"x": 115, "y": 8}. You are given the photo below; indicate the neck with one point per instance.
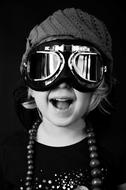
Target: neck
{"x": 54, "y": 135}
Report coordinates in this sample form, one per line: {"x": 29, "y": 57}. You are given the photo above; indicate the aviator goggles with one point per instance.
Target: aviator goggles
{"x": 80, "y": 65}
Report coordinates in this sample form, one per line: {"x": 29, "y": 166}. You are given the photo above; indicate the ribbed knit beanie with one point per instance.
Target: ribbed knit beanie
{"x": 72, "y": 23}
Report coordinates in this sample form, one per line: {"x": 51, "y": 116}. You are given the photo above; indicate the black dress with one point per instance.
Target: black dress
{"x": 55, "y": 167}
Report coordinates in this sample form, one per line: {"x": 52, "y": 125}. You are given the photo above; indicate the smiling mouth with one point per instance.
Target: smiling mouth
{"x": 61, "y": 103}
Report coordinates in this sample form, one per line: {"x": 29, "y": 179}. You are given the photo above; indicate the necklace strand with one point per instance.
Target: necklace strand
{"x": 96, "y": 181}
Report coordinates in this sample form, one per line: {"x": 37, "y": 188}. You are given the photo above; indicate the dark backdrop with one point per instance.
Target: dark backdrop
{"x": 17, "y": 19}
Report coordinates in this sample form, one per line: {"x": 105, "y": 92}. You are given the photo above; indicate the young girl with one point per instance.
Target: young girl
{"x": 67, "y": 73}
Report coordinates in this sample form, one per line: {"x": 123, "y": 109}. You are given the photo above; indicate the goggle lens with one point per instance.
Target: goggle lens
{"x": 87, "y": 66}
{"x": 42, "y": 65}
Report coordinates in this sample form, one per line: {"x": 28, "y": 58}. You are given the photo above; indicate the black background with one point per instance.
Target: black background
{"x": 16, "y": 21}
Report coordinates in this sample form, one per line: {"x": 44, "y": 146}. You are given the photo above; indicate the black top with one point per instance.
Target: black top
{"x": 55, "y": 167}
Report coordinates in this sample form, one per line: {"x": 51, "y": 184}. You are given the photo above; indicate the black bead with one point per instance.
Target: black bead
{"x": 30, "y": 162}
{"x": 96, "y": 182}
{"x": 30, "y": 151}
{"x": 93, "y": 155}
{"x": 31, "y": 142}
{"x": 29, "y": 156}
{"x": 27, "y": 183}
{"x": 31, "y": 137}
{"x": 30, "y": 167}
{"x": 28, "y": 178}
{"x": 91, "y": 141}
{"x": 91, "y": 134}
{"x": 29, "y": 146}
{"x": 89, "y": 130}
{"x": 94, "y": 163}
{"x": 92, "y": 148}
{"x": 95, "y": 172}
{"x": 29, "y": 172}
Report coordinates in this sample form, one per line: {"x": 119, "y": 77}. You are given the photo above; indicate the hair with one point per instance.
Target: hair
{"x": 100, "y": 98}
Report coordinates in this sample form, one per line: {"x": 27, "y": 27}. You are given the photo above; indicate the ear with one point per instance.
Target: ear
{"x": 30, "y": 93}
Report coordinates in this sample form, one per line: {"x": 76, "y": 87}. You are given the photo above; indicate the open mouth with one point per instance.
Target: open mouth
{"x": 61, "y": 103}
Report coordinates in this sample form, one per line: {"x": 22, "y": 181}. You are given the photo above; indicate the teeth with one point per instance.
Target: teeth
{"x": 61, "y": 99}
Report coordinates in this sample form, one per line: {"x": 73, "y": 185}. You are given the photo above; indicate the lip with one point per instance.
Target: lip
{"x": 62, "y": 95}
{"x": 63, "y": 100}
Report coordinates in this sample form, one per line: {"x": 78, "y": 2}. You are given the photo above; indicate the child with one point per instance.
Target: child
{"x": 67, "y": 69}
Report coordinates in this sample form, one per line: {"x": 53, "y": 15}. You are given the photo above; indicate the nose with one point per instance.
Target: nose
{"x": 64, "y": 85}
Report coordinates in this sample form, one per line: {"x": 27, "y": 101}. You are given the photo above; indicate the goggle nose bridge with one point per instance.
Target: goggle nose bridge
{"x": 66, "y": 71}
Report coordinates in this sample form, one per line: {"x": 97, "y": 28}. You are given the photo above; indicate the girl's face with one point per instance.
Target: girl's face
{"x": 63, "y": 105}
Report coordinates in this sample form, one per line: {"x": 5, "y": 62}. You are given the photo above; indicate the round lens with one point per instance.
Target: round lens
{"x": 42, "y": 65}
{"x": 88, "y": 66}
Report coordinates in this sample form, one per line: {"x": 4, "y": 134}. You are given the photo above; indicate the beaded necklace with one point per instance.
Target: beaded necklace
{"x": 96, "y": 181}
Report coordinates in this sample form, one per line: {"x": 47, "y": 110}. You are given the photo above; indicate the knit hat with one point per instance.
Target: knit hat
{"x": 72, "y": 23}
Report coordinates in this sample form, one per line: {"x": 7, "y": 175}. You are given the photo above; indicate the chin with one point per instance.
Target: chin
{"x": 63, "y": 122}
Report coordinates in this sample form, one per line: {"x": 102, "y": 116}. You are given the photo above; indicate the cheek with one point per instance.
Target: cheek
{"x": 41, "y": 99}
{"x": 83, "y": 102}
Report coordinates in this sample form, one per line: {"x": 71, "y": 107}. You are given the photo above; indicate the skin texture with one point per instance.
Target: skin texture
{"x": 62, "y": 126}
